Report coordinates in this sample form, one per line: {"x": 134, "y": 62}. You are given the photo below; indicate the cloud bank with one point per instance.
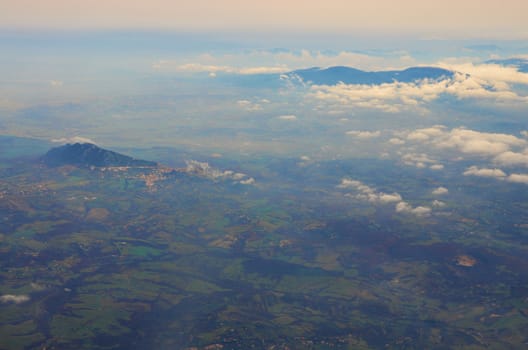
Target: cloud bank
{"x": 479, "y": 83}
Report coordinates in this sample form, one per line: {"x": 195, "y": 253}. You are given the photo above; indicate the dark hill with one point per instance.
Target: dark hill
{"x": 87, "y": 154}
{"x": 347, "y": 75}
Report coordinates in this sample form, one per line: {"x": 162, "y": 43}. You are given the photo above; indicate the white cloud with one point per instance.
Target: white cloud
{"x": 495, "y": 74}
{"x": 388, "y": 98}
{"x": 438, "y": 204}
{"x": 498, "y": 174}
{"x": 379, "y": 197}
{"x": 74, "y": 139}
{"x": 249, "y": 181}
{"x": 348, "y": 183}
{"x": 214, "y": 69}
{"x": 262, "y": 70}
{"x": 368, "y": 193}
{"x": 498, "y": 146}
{"x": 484, "y": 172}
{"x": 203, "y": 169}
{"x": 15, "y": 299}
{"x": 477, "y": 143}
{"x": 426, "y": 133}
{"x": 396, "y": 141}
{"x": 498, "y": 150}
{"x": 249, "y": 105}
{"x": 418, "y": 160}
{"x": 56, "y": 83}
{"x": 371, "y": 195}
{"x": 518, "y": 178}
{"x": 307, "y": 58}
{"x": 440, "y": 191}
{"x": 235, "y": 176}
{"x": 510, "y": 158}
{"x": 388, "y": 198}
{"x": 404, "y": 207}
{"x": 287, "y": 117}
{"x": 364, "y": 134}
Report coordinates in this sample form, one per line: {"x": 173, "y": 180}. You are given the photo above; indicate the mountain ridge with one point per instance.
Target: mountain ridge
{"x": 334, "y": 75}
{"x": 88, "y": 154}
{"x": 348, "y": 75}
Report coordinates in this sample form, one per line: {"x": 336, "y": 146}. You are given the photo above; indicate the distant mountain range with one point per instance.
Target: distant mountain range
{"x": 87, "y": 154}
{"x": 335, "y": 75}
{"x": 347, "y": 75}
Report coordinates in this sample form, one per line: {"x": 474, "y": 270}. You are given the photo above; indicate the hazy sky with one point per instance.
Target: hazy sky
{"x": 448, "y": 18}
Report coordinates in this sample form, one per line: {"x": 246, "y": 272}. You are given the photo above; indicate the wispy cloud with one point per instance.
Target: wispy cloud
{"x": 364, "y": 134}
{"x": 250, "y": 106}
{"x": 73, "y": 139}
{"x": 290, "y": 117}
{"x": 438, "y": 204}
{"x": 437, "y": 167}
{"x": 420, "y": 160}
{"x": 396, "y": 141}
{"x": 200, "y": 68}
{"x": 248, "y": 181}
{"x": 269, "y": 61}
{"x": 15, "y": 299}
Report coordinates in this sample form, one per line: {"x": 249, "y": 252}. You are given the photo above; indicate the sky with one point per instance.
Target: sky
{"x": 448, "y": 18}
{"x": 95, "y": 67}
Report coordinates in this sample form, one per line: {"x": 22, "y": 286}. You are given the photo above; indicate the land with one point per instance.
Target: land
{"x": 132, "y": 257}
